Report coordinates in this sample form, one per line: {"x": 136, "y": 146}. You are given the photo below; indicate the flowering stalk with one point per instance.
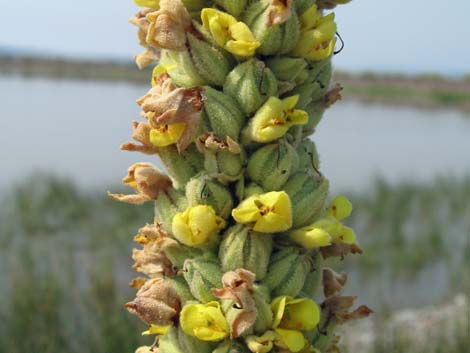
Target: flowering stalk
{"x": 235, "y": 259}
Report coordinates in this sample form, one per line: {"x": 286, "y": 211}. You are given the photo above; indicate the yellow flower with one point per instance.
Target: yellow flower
{"x": 269, "y": 213}
{"x": 340, "y": 208}
{"x": 311, "y": 237}
{"x": 261, "y": 344}
{"x": 317, "y": 39}
{"x": 204, "y": 321}
{"x": 327, "y": 229}
{"x": 152, "y": 4}
{"x": 233, "y": 36}
{"x": 156, "y": 330}
{"x": 165, "y": 135}
{"x": 291, "y": 316}
{"x": 196, "y": 225}
{"x": 274, "y": 118}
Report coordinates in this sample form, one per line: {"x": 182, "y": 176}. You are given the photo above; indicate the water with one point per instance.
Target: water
{"x": 74, "y": 128}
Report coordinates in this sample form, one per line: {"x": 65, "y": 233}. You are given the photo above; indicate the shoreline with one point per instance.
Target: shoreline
{"x": 421, "y": 91}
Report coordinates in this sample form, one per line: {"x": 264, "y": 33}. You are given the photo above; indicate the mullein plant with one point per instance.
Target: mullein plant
{"x": 235, "y": 260}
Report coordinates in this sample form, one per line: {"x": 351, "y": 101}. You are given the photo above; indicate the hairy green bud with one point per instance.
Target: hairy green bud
{"x": 270, "y": 166}
{"x": 308, "y": 192}
{"x": 181, "y": 166}
{"x": 202, "y": 274}
{"x": 274, "y": 39}
{"x": 287, "y": 272}
{"x": 176, "y": 341}
{"x": 234, "y": 8}
{"x": 251, "y": 83}
{"x": 243, "y": 248}
{"x": 287, "y": 69}
{"x": 167, "y": 205}
{"x": 204, "y": 190}
{"x": 211, "y": 63}
{"x": 308, "y": 155}
{"x": 221, "y": 114}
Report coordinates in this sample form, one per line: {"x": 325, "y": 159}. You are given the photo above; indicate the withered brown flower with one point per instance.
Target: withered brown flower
{"x": 238, "y": 286}
{"x": 332, "y": 281}
{"x": 279, "y": 11}
{"x": 156, "y": 303}
{"x": 147, "y": 180}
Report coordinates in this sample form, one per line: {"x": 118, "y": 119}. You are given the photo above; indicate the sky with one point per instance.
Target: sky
{"x": 417, "y": 36}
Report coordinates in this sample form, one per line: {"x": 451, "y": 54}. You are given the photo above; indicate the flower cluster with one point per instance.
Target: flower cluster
{"x": 234, "y": 260}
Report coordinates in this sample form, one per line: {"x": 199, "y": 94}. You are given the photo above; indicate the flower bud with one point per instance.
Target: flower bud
{"x": 204, "y": 321}
{"x": 317, "y": 37}
{"x": 251, "y": 190}
{"x": 274, "y": 38}
{"x": 167, "y": 206}
{"x": 314, "y": 277}
{"x": 177, "y": 341}
{"x": 251, "y": 83}
{"x": 308, "y": 155}
{"x": 211, "y": 63}
{"x": 230, "y": 34}
{"x": 202, "y": 275}
{"x": 261, "y": 344}
{"x": 244, "y": 248}
{"x": 221, "y": 114}
{"x": 181, "y": 166}
{"x": 315, "y": 112}
{"x": 204, "y": 190}
{"x": 181, "y": 288}
{"x": 223, "y": 159}
{"x": 308, "y": 193}
{"x": 274, "y": 119}
{"x": 264, "y": 319}
{"x": 181, "y": 68}
{"x": 305, "y": 93}
{"x": 197, "y": 226}
{"x": 270, "y": 166}
{"x": 285, "y": 68}
{"x": 234, "y": 8}
{"x": 320, "y": 73}
{"x": 266, "y": 213}
{"x": 156, "y": 302}
{"x": 287, "y": 271}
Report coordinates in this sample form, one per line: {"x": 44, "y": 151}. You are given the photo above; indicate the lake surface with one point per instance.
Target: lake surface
{"x": 74, "y": 128}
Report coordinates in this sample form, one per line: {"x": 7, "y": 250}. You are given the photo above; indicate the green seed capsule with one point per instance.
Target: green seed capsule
{"x": 181, "y": 166}
{"x": 250, "y": 84}
{"x": 234, "y": 8}
{"x": 167, "y": 205}
{"x": 308, "y": 155}
{"x": 320, "y": 73}
{"x": 276, "y": 39}
{"x": 308, "y": 192}
{"x": 176, "y": 341}
{"x": 181, "y": 68}
{"x": 244, "y": 248}
{"x": 211, "y": 63}
{"x": 287, "y": 272}
{"x": 314, "y": 277}
{"x": 305, "y": 91}
{"x": 271, "y": 165}
{"x": 181, "y": 287}
{"x": 221, "y": 114}
{"x": 202, "y": 275}
{"x": 315, "y": 112}
{"x": 264, "y": 319}
{"x": 287, "y": 69}
{"x": 204, "y": 190}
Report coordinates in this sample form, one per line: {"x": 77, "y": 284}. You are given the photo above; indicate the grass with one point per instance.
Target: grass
{"x": 65, "y": 257}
